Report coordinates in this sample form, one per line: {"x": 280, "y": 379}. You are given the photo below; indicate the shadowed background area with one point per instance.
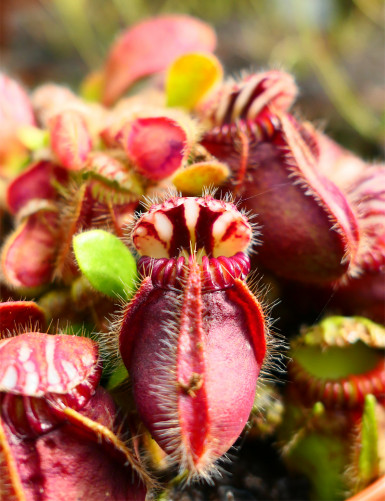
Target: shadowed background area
{"x": 335, "y": 49}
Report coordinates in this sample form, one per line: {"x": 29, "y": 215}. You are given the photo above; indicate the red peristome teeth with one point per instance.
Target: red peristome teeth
{"x": 194, "y": 359}
{"x": 40, "y": 374}
{"x": 262, "y": 128}
{"x": 247, "y": 109}
{"x": 343, "y": 393}
{"x": 246, "y": 100}
{"x": 184, "y": 223}
{"x": 216, "y": 273}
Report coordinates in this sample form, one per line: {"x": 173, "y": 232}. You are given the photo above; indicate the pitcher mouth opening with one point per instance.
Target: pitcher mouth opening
{"x": 349, "y": 373}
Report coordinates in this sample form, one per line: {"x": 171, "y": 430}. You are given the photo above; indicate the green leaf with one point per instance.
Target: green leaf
{"x": 193, "y": 179}
{"x": 322, "y": 458}
{"x": 106, "y": 262}
{"x": 32, "y": 137}
{"x": 191, "y": 77}
{"x": 334, "y": 362}
{"x": 91, "y": 88}
{"x": 369, "y": 457}
{"x": 119, "y": 375}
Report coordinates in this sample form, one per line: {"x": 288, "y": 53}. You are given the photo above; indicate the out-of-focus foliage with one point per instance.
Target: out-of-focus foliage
{"x": 334, "y": 47}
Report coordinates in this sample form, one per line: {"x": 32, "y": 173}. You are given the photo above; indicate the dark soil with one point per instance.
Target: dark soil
{"x": 256, "y": 473}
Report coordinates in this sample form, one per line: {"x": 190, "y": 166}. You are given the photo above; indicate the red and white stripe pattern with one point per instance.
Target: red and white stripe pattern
{"x": 190, "y": 224}
{"x": 249, "y": 105}
{"x": 42, "y": 373}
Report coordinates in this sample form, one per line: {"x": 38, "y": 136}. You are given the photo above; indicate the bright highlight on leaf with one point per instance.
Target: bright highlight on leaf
{"x": 193, "y": 179}
{"x": 191, "y": 77}
{"x": 106, "y": 262}
{"x": 32, "y": 137}
{"x": 91, "y": 88}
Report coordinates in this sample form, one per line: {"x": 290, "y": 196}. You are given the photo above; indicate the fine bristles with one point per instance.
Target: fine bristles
{"x": 165, "y": 389}
{"x": 351, "y": 472}
{"x": 109, "y": 341}
{"x": 147, "y": 202}
{"x": 131, "y": 230}
{"x": 302, "y": 171}
{"x": 71, "y": 208}
{"x": 276, "y": 344}
{"x": 251, "y": 217}
{"x": 164, "y": 386}
{"x": 68, "y": 330}
{"x": 159, "y": 198}
{"x": 22, "y": 329}
{"x": 209, "y": 191}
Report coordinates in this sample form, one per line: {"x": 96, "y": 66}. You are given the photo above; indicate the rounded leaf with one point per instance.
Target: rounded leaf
{"x": 149, "y": 47}
{"x": 70, "y": 139}
{"x": 157, "y": 146}
{"x": 191, "y": 77}
{"x": 106, "y": 262}
{"x": 20, "y": 315}
{"x": 32, "y": 137}
{"x": 36, "y": 182}
{"x": 193, "y": 179}
{"x": 28, "y": 257}
{"x": 15, "y": 107}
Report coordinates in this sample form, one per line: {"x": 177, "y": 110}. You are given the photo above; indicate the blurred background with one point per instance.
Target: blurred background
{"x": 335, "y": 49}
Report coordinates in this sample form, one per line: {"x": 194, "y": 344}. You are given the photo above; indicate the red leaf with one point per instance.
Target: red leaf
{"x": 29, "y": 254}
{"x": 15, "y": 106}
{"x": 156, "y": 146}
{"x": 149, "y": 47}
{"x": 36, "y": 182}
{"x": 70, "y": 139}
{"x": 16, "y": 316}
